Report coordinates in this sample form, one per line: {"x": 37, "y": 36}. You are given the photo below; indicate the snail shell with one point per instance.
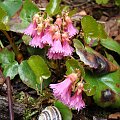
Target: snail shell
{"x": 50, "y": 113}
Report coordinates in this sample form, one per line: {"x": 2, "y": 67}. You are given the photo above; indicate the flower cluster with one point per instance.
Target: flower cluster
{"x": 57, "y": 35}
{"x": 63, "y": 92}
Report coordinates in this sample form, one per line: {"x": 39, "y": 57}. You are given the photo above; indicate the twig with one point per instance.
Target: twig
{"x": 67, "y": 2}
{"x": 11, "y": 42}
{"x": 81, "y": 4}
{"x": 10, "y": 103}
{"x": 8, "y": 37}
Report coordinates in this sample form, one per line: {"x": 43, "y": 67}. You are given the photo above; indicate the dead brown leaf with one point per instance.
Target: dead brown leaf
{"x": 115, "y": 116}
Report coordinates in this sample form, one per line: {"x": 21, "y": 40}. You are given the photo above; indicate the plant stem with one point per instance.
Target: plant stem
{"x": 15, "y": 48}
{"x": 7, "y": 36}
{"x": 11, "y": 42}
{"x": 10, "y": 103}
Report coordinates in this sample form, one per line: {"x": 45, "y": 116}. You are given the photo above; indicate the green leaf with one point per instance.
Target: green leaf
{"x": 28, "y": 10}
{"x": 19, "y": 24}
{"x": 2, "y": 13}
{"x": 72, "y": 65}
{"x": 11, "y": 70}
{"x": 78, "y": 44}
{"x": 89, "y": 26}
{"x": 117, "y": 2}
{"x": 11, "y": 6}
{"x": 111, "y": 44}
{"x": 3, "y": 22}
{"x": 27, "y": 76}
{"x": 93, "y": 31}
{"x": 8, "y": 63}
{"x": 101, "y": 32}
{"x": 65, "y": 8}
{"x": 6, "y": 56}
{"x": 33, "y": 71}
{"x": 26, "y": 39}
{"x": 89, "y": 89}
{"x": 64, "y": 110}
{"x": 4, "y": 27}
{"x": 107, "y": 88}
{"x": 39, "y": 67}
{"x": 102, "y": 1}
{"x": 53, "y": 7}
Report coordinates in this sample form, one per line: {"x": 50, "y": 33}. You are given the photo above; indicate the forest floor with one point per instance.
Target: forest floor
{"x": 109, "y": 15}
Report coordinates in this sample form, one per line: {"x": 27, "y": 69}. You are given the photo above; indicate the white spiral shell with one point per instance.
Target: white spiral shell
{"x": 50, "y": 113}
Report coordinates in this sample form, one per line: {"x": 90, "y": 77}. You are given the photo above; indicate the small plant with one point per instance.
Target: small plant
{"x": 60, "y": 57}
{"x": 117, "y": 2}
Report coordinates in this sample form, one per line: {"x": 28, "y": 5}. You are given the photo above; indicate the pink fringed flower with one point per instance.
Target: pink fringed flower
{"x": 36, "y": 41}
{"x": 57, "y": 47}
{"x": 44, "y": 32}
{"x": 76, "y": 100}
{"x": 70, "y": 28}
{"x": 31, "y": 29}
{"x": 68, "y": 50}
{"x": 56, "y": 51}
{"x": 62, "y": 91}
{"x": 58, "y": 21}
{"x": 47, "y": 39}
{"x": 54, "y": 56}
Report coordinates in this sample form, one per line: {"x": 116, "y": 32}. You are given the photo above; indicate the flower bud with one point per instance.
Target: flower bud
{"x": 73, "y": 77}
{"x": 64, "y": 35}
{"x": 52, "y": 28}
{"x": 39, "y": 28}
{"x": 68, "y": 19}
{"x": 58, "y": 21}
{"x": 80, "y": 87}
{"x": 56, "y": 35}
{"x": 36, "y": 18}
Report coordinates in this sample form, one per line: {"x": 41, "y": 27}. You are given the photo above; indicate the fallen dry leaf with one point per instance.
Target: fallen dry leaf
{"x": 115, "y": 116}
{"x": 96, "y": 62}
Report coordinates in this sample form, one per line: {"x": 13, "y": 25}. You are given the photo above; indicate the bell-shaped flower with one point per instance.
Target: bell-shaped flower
{"x": 47, "y": 39}
{"x": 57, "y": 47}
{"x": 69, "y": 27}
{"x": 76, "y": 100}
{"x": 62, "y": 90}
{"x": 68, "y": 50}
{"x": 53, "y": 55}
{"x": 56, "y": 50}
{"x": 36, "y": 41}
{"x": 31, "y": 30}
{"x": 71, "y": 30}
{"x": 58, "y": 21}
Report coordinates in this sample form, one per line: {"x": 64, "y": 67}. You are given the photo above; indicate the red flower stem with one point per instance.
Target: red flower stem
{"x": 10, "y": 41}
{"x": 10, "y": 103}
{"x": 15, "y": 48}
